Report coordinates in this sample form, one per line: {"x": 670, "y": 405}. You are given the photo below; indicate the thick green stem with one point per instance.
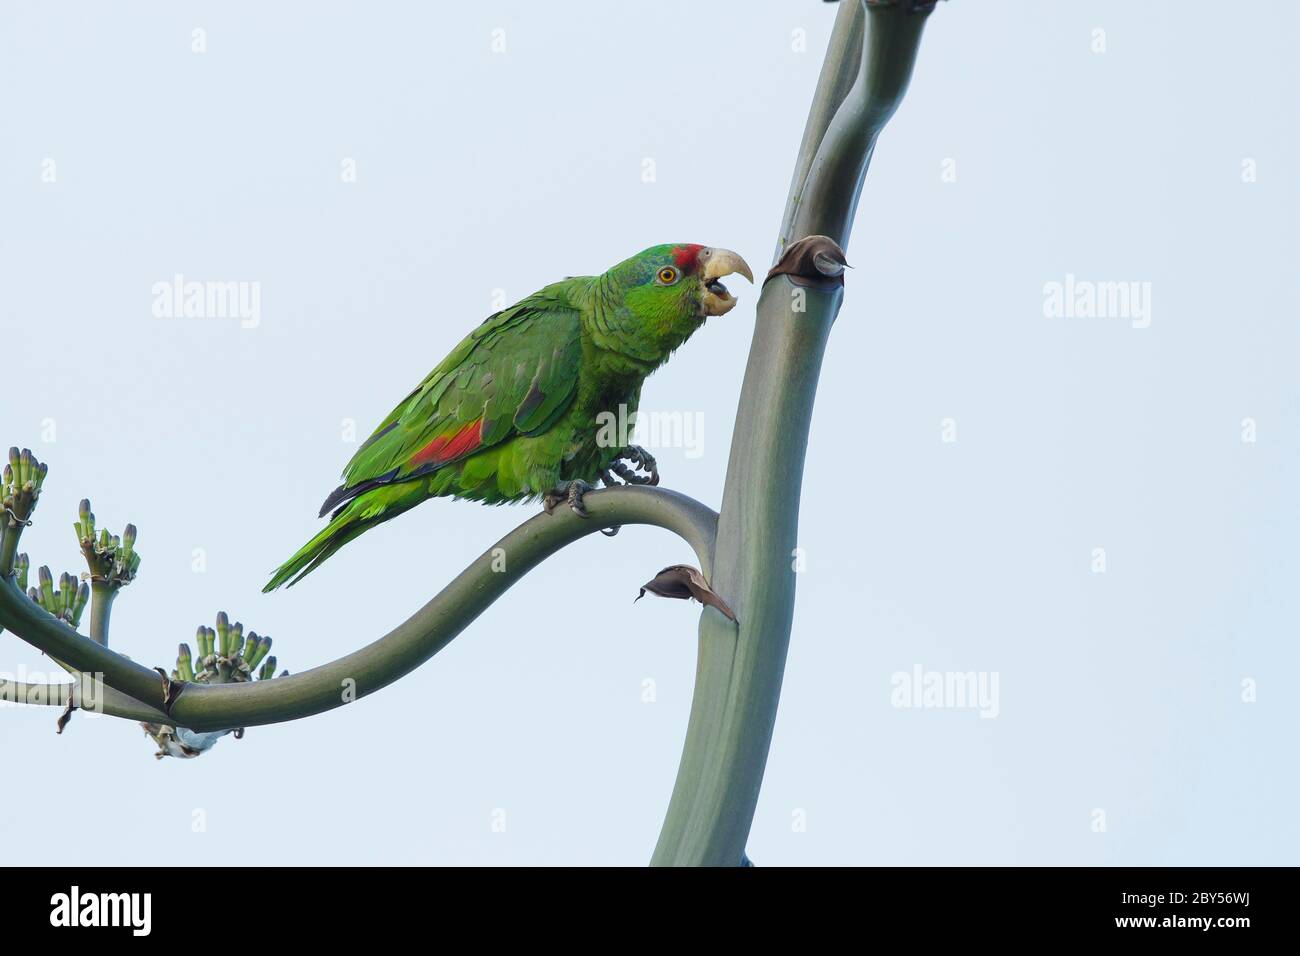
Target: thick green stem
{"x": 203, "y": 708}
{"x": 8, "y": 549}
{"x": 8, "y": 545}
{"x": 840, "y": 69}
{"x": 739, "y": 668}
{"x": 101, "y": 608}
{"x": 827, "y": 200}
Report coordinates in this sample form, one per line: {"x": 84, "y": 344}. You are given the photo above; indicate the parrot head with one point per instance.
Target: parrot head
{"x": 666, "y": 292}
{"x": 681, "y": 278}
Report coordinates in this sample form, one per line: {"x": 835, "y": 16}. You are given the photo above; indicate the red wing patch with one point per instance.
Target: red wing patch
{"x": 451, "y": 445}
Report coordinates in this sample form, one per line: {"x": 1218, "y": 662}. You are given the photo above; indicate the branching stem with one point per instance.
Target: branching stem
{"x": 222, "y": 707}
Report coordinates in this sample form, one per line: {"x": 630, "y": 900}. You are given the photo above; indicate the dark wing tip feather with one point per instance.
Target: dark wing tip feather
{"x": 345, "y": 492}
{"x": 335, "y": 496}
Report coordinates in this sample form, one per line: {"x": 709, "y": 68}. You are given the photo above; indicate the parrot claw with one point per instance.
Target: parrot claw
{"x": 577, "y": 489}
{"x": 608, "y": 481}
{"x": 640, "y": 459}
{"x": 571, "y": 492}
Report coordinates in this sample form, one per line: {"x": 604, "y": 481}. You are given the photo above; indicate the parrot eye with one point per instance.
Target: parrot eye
{"x": 667, "y": 275}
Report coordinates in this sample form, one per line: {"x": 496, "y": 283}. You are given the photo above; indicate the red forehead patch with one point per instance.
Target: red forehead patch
{"x": 685, "y": 256}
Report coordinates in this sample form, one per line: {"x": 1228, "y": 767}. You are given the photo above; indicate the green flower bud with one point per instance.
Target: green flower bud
{"x": 185, "y": 664}
{"x": 79, "y": 605}
{"x": 67, "y": 591}
{"x": 259, "y": 652}
{"x": 236, "y": 640}
{"x": 223, "y": 633}
{"x": 204, "y": 642}
{"x": 268, "y": 669}
{"x": 85, "y": 523}
{"x": 46, "y": 581}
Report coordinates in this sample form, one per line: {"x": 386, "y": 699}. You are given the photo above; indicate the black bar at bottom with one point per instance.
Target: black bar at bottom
{"x": 334, "y": 906}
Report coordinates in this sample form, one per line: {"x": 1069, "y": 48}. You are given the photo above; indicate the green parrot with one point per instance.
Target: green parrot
{"x": 514, "y": 412}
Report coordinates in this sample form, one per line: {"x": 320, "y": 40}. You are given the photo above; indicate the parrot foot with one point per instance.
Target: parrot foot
{"x": 571, "y": 492}
{"x": 640, "y": 459}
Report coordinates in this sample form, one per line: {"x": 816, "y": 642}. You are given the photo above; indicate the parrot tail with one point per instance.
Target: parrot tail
{"x": 337, "y": 533}
{"x": 357, "y": 516}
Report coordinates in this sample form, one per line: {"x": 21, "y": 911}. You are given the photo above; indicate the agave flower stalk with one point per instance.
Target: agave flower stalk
{"x": 20, "y": 489}
{"x": 738, "y": 676}
{"x": 225, "y": 657}
{"x": 113, "y": 563}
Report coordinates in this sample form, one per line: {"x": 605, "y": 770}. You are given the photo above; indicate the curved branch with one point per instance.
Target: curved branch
{"x": 397, "y": 653}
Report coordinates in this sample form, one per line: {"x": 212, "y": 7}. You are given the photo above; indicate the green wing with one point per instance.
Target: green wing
{"x": 513, "y": 375}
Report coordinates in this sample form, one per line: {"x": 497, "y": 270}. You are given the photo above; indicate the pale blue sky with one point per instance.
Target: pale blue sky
{"x": 479, "y": 171}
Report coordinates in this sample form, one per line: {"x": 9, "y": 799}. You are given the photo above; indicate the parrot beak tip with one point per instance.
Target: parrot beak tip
{"x": 721, "y": 262}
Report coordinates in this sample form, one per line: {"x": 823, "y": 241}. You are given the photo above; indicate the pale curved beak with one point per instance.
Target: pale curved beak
{"x": 718, "y": 263}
